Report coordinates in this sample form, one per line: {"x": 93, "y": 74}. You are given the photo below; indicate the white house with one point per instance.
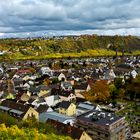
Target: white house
{"x": 26, "y": 85}
{"x": 1, "y": 70}
{"x": 2, "y": 52}
{"x": 66, "y": 86}
{"x": 133, "y": 73}
{"x": 39, "y": 101}
{"x": 109, "y": 75}
{"x": 46, "y": 70}
{"x": 68, "y": 97}
{"x": 61, "y": 76}
{"x": 52, "y": 100}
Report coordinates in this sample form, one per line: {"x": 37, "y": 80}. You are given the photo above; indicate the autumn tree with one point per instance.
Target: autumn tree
{"x": 121, "y": 93}
{"x": 99, "y": 92}
{"x": 16, "y": 133}
{"x": 46, "y": 82}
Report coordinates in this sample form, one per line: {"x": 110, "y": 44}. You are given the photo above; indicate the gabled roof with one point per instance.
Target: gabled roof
{"x": 64, "y": 104}
{"x": 95, "y": 75}
{"x": 125, "y": 66}
{"x": 40, "y": 100}
{"x": 24, "y": 97}
{"x": 66, "y": 84}
{"x": 82, "y": 86}
{"x": 56, "y": 74}
{"x": 55, "y": 91}
{"x": 39, "y": 88}
{"x": 18, "y": 82}
{"x": 65, "y": 93}
{"x": 31, "y": 100}
{"x": 71, "y": 131}
{"x": 40, "y": 79}
{"x": 56, "y": 97}
{"x": 42, "y": 108}
{"x": 16, "y": 106}
{"x": 137, "y": 135}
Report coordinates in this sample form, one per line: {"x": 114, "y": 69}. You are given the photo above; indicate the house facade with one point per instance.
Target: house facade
{"x": 67, "y": 108}
{"x": 18, "y": 110}
{"x": 31, "y": 113}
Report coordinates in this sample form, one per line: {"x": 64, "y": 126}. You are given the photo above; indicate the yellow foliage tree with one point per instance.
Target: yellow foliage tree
{"x": 99, "y": 92}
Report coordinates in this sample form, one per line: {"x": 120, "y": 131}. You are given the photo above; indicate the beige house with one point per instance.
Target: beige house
{"x": 67, "y": 108}
{"x": 136, "y": 136}
{"x": 68, "y": 97}
{"x": 18, "y": 110}
{"x": 27, "y": 77}
{"x": 24, "y": 97}
{"x": 41, "y": 90}
{"x": 85, "y": 136}
{"x": 71, "y": 81}
{"x": 61, "y": 76}
{"x": 31, "y": 113}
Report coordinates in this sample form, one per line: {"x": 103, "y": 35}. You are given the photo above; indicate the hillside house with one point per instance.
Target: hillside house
{"x": 18, "y": 110}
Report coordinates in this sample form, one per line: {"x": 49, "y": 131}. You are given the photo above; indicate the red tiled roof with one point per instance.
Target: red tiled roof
{"x": 24, "y": 71}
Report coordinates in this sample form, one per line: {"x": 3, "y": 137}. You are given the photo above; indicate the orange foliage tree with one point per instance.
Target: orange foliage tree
{"x": 99, "y": 92}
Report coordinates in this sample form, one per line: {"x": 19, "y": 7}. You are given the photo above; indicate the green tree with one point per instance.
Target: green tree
{"x": 121, "y": 93}
{"x": 118, "y": 83}
{"x": 113, "y": 91}
{"x": 6, "y": 119}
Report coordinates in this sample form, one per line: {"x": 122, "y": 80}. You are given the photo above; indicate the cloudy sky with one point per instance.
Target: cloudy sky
{"x": 32, "y": 17}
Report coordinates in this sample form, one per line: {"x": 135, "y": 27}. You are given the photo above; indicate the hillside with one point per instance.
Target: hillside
{"x": 73, "y": 46}
{"x": 11, "y": 129}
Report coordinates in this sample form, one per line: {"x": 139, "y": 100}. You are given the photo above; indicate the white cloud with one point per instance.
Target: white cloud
{"x": 59, "y": 15}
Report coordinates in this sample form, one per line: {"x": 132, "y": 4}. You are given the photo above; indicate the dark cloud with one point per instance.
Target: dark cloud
{"x": 103, "y": 16}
